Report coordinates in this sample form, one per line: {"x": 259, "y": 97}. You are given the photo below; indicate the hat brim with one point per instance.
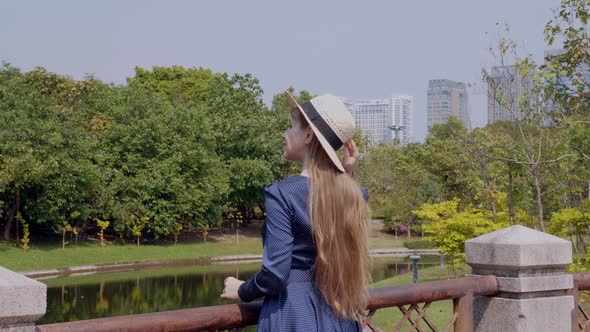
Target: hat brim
{"x": 325, "y": 145}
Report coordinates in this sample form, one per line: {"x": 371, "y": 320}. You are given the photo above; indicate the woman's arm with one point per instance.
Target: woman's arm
{"x": 278, "y": 246}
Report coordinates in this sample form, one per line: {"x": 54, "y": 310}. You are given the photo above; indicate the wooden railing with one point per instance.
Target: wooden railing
{"x": 408, "y": 299}
{"x": 412, "y": 300}
{"x": 580, "y": 318}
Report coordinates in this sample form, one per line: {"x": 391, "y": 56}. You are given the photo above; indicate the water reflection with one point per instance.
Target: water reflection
{"x": 127, "y": 293}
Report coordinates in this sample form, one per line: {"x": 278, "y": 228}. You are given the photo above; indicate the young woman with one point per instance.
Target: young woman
{"x": 314, "y": 273}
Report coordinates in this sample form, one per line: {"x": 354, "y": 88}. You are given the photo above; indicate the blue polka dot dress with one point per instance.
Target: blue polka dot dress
{"x": 292, "y": 302}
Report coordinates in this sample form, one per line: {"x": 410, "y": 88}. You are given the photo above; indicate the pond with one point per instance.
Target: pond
{"x": 126, "y": 293}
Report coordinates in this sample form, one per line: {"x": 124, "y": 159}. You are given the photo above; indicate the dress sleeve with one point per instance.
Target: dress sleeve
{"x": 365, "y": 193}
{"x": 278, "y": 245}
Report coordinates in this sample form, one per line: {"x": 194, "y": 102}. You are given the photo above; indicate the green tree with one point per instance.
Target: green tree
{"x": 137, "y": 228}
{"x": 44, "y": 168}
{"x": 397, "y": 181}
{"x": 177, "y": 84}
{"x": 448, "y": 227}
{"x": 159, "y": 160}
{"x": 567, "y": 86}
{"x": 566, "y": 222}
{"x": 446, "y": 157}
{"x": 247, "y": 138}
{"x": 517, "y": 89}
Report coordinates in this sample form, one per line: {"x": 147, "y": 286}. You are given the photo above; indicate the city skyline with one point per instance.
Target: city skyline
{"x": 361, "y": 50}
{"x": 384, "y": 120}
{"x": 446, "y": 98}
{"x": 514, "y": 90}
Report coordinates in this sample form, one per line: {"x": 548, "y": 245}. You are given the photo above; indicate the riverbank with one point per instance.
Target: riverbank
{"x": 159, "y": 264}
{"x": 50, "y": 256}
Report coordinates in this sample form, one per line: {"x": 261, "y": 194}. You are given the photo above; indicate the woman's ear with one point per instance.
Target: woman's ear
{"x": 309, "y": 135}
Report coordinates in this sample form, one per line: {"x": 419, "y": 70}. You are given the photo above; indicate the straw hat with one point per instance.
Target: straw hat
{"x": 330, "y": 121}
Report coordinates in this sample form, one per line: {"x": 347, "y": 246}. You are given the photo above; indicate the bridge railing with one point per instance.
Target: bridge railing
{"x": 580, "y": 314}
{"x": 412, "y": 300}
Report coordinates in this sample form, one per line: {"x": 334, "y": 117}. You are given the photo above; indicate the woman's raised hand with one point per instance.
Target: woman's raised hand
{"x": 230, "y": 292}
{"x": 351, "y": 155}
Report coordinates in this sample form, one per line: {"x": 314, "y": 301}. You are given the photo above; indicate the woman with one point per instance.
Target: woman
{"x": 314, "y": 274}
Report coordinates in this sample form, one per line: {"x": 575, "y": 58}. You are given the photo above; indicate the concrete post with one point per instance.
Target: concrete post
{"x": 22, "y": 302}
{"x": 532, "y": 283}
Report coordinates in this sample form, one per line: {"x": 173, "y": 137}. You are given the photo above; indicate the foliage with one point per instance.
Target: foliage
{"x": 25, "y": 240}
{"x": 177, "y": 229}
{"x": 45, "y": 169}
{"x": 573, "y": 221}
{"x": 564, "y": 218}
{"x": 205, "y": 232}
{"x": 138, "y": 227}
{"x": 159, "y": 162}
{"x": 65, "y": 229}
{"x": 565, "y": 73}
{"x": 174, "y": 144}
{"x": 247, "y": 137}
{"x": 449, "y": 227}
{"x": 177, "y": 84}
{"x": 102, "y": 224}
{"x": 397, "y": 181}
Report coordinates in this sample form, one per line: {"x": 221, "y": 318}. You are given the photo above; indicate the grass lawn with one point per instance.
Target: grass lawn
{"x": 50, "y": 255}
{"x": 46, "y": 256}
{"x": 439, "y": 313}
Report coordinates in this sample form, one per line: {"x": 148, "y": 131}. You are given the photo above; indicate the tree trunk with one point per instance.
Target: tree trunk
{"x": 17, "y": 211}
{"x": 511, "y": 198}
{"x": 244, "y": 211}
{"x": 584, "y": 217}
{"x": 263, "y": 210}
{"x": 539, "y": 201}
{"x": 572, "y": 237}
{"x": 486, "y": 181}
{"x": 581, "y": 238}
{"x": 9, "y": 221}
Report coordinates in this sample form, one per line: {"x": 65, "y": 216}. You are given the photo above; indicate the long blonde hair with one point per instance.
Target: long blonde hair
{"x": 339, "y": 217}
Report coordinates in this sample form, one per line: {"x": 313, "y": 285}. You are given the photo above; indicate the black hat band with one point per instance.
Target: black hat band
{"x": 321, "y": 125}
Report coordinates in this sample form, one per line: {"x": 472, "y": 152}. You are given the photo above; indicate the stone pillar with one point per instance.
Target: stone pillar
{"x": 532, "y": 283}
{"x": 22, "y": 302}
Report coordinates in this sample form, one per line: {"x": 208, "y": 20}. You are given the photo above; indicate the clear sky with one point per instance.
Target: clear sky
{"x": 356, "y": 49}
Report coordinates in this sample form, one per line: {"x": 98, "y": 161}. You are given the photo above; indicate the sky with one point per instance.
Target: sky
{"x": 356, "y": 49}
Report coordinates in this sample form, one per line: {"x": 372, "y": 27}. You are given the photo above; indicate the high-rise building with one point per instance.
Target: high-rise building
{"x": 510, "y": 94}
{"x": 563, "y": 82}
{"x": 384, "y": 119}
{"x": 447, "y": 98}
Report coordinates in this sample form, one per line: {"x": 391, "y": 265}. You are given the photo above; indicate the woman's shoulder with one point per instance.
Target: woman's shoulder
{"x": 288, "y": 185}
